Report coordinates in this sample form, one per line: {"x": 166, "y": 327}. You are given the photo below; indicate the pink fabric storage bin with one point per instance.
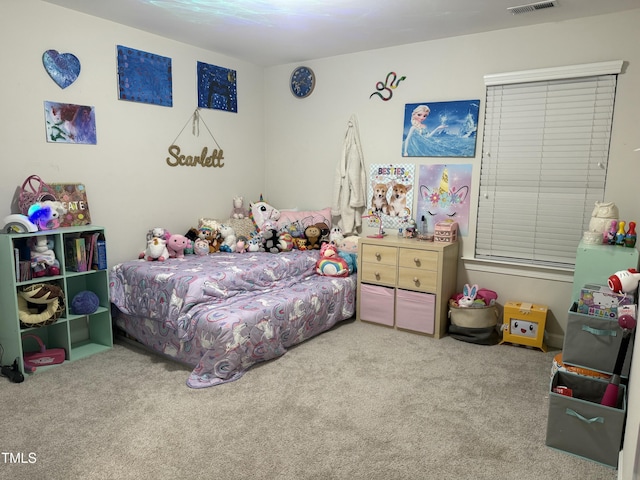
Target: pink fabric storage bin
{"x": 415, "y": 311}
{"x": 377, "y": 304}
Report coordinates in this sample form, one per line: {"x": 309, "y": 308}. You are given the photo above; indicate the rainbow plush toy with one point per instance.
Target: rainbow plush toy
{"x": 330, "y": 264}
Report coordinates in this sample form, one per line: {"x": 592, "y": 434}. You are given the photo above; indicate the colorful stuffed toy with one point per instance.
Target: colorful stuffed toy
{"x": 44, "y": 216}
{"x": 177, "y": 244}
{"x": 201, "y": 247}
{"x": 211, "y": 236}
{"x": 330, "y": 263}
{"x": 286, "y": 242}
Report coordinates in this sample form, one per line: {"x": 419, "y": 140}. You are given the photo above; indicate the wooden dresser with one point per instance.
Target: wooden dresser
{"x": 406, "y": 283}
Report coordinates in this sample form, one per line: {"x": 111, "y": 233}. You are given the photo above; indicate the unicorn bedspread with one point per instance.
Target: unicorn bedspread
{"x": 224, "y": 312}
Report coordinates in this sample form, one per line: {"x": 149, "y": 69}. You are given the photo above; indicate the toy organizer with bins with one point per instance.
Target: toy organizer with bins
{"x": 79, "y": 335}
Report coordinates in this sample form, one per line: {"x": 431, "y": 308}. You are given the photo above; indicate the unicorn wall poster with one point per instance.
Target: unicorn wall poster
{"x": 444, "y": 194}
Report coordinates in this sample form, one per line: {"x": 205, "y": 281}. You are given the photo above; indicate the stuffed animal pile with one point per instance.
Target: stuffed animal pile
{"x": 338, "y": 253}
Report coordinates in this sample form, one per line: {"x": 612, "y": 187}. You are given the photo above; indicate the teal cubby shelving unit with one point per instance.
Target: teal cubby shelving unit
{"x": 79, "y": 335}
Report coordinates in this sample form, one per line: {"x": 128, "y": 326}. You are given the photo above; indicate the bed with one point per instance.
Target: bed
{"x": 224, "y": 312}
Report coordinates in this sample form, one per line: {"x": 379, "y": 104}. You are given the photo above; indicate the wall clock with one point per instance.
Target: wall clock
{"x": 303, "y": 80}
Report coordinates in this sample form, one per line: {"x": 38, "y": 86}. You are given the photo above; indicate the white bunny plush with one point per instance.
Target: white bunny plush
{"x": 468, "y": 295}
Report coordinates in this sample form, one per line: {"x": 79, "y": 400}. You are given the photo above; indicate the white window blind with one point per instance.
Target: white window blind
{"x": 544, "y": 165}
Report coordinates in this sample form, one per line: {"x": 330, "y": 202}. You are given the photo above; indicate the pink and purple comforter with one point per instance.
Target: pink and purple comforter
{"x": 224, "y": 312}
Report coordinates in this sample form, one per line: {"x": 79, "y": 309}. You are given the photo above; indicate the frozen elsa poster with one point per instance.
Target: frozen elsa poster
{"x": 440, "y": 129}
{"x": 444, "y": 194}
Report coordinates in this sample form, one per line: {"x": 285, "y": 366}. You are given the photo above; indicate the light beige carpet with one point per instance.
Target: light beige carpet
{"x": 358, "y": 402}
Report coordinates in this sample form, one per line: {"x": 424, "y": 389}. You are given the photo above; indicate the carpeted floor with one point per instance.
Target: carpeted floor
{"x": 358, "y": 402}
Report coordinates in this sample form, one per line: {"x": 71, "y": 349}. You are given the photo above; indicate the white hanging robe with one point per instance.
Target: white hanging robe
{"x": 349, "y": 188}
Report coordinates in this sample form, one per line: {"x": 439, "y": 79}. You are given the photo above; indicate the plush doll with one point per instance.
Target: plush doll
{"x": 324, "y": 233}
{"x": 271, "y": 241}
{"x": 300, "y": 243}
{"x": 255, "y": 244}
{"x": 330, "y": 263}
{"x": 348, "y": 249}
{"x": 177, "y": 244}
{"x": 229, "y": 239}
{"x": 336, "y": 236}
{"x": 313, "y": 233}
{"x": 201, "y": 247}
{"x": 261, "y": 211}
{"x": 211, "y": 236}
{"x": 468, "y": 295}
{"x": 43, "y": 258}
{"x": 44, "y": 216}
{"x": 286, "y": 242}
{"x": 242, "y": 244}
{"x": 238, "y": 210}
{"x": 156, "y": 250}
{"x": 158, "y": 232}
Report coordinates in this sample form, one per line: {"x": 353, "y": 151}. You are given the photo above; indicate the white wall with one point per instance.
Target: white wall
{"x": 130, "y": 187}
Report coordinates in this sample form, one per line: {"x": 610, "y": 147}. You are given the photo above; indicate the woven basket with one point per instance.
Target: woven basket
{"x": 49, "y": 302}
{"x": 473, "y": 317}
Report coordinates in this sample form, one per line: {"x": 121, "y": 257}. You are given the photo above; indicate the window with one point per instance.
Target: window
{"x": 544, "y": 161}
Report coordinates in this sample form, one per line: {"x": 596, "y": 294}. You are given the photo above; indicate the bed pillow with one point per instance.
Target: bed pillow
{"x": 241, "y": 226}
{"x": 298, "y": 219}
{"x": 244, "y": 227}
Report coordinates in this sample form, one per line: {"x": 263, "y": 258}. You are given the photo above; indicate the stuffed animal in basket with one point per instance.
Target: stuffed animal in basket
{"x": 156, "y": 250}
{"x": 468, "y": 295}
{"x": 177, "y": 244}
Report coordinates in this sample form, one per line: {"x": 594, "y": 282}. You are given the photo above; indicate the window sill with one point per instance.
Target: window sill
{"x": 519, "y": 270}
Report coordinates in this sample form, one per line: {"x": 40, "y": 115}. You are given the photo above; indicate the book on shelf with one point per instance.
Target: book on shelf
{"x": 87, "y": 251}
{"x": 75, "y": 254}
{"x": 99, "y": 253}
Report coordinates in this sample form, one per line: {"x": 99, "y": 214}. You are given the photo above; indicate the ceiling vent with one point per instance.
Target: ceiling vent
{"x": 532, "y": 7}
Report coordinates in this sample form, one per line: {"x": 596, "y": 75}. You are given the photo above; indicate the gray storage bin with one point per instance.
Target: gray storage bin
{"x": 580, "y": 425}
{"x": 593, "y": 343}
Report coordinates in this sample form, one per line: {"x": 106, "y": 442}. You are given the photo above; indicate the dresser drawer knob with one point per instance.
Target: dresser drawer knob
{"x": 377, "y": 274}
{"x": 378, "y": 256}
{"x": 416, "y": 261}
{"x": 416, "y": 280}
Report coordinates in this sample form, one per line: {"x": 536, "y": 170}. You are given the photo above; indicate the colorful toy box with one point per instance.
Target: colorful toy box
{"x": 601, "y": 301}
{"x": 524, "y": 324}
{"x": 446, "y": 232}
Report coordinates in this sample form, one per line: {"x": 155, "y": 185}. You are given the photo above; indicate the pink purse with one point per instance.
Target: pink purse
{"x": 33, "y": 190}
{"x": 44, "y": 357}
